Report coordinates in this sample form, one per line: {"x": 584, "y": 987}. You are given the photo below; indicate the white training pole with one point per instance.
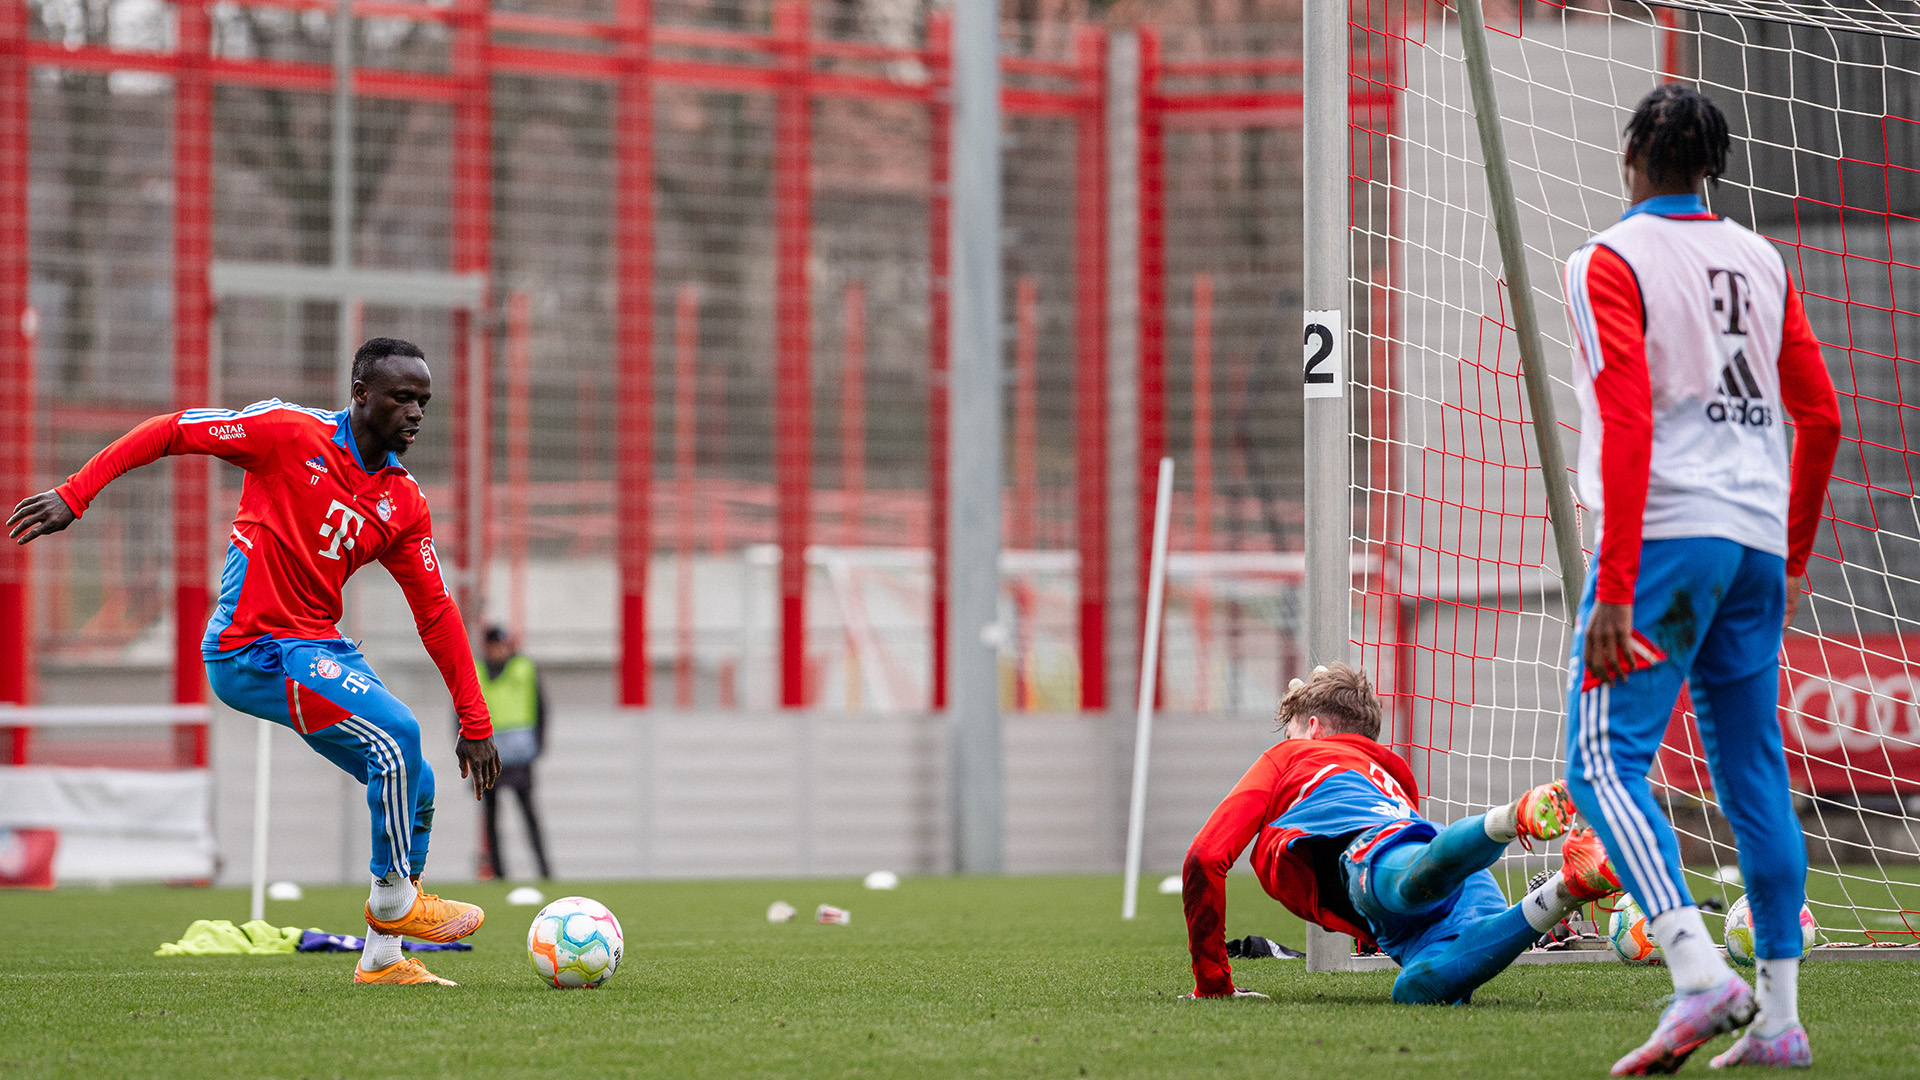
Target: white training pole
{"x": 262, "y": 774}
{"x": 1149, "y": 683}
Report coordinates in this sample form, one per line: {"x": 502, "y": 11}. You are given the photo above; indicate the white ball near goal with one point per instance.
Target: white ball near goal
{"x": 1739, "y": 931}
{"x": 1630, "y": 933}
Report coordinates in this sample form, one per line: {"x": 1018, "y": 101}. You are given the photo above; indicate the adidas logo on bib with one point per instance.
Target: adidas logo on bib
{"x": 1742, "y": 400}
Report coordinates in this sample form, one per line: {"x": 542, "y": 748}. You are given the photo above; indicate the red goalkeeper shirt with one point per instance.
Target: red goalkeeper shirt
{"x": 310, "y": 515}
{"x": 1299, "y": 805}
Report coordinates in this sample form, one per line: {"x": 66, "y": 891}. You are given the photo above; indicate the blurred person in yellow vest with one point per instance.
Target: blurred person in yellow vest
{"x": 511, "y": 686}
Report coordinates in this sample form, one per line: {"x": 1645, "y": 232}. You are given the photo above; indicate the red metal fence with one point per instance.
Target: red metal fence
{"x": 713, "y": 327}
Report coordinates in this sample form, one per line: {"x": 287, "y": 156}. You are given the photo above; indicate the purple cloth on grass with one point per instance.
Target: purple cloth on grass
{"x": 320, "y": 941}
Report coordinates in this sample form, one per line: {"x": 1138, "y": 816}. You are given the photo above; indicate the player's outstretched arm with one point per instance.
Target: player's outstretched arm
{"x": 1232, "y": 826}
{"x": 38, "y": 515}
{"x": 415, "y": 567}
{"x": 219, "y": 432}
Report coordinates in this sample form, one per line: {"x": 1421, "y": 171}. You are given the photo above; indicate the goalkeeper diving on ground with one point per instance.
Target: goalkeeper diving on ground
{"x": 325, "y": 495}
{"x": 1332, "y": 817}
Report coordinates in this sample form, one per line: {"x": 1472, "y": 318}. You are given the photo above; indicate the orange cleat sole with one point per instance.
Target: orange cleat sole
{"x": 408, "y": 972}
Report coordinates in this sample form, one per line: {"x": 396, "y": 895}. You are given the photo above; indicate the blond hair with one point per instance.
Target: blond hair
{"x": 1341, "y": 696}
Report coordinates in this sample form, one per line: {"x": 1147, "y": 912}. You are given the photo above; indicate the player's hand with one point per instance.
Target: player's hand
{"x": 478, "y": 761}
{"x": 1238, "y": 992}
{"x": 1609, "y": 646}
{"x": 1796, "y": 585}
{"x": 38, "y": 515}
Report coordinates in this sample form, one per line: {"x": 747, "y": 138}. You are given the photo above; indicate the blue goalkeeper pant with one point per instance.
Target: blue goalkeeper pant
{"x": 1435, "y": 908}
{"x": 325, "y": 691}
{"x": 1714, "y": 607}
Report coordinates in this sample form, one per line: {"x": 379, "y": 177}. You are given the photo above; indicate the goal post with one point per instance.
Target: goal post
{"x": 1459, "y": 605}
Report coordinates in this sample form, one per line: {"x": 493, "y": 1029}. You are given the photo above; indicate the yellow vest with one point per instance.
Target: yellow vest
{"x": 514, "y": 697}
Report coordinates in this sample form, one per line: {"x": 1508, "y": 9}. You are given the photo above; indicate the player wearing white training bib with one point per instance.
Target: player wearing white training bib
{"x": 1693, "y": 351}
{"x": 1714, "y": 300}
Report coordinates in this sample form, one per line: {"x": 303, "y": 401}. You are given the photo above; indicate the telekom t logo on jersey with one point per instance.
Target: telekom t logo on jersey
{"x": 343, "y": 533}
{"x": 1730, "y": 299}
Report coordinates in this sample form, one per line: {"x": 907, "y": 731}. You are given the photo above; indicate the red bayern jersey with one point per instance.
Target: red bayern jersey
{"x": 1295, "y": 793}
{"x": 310, "y": 515}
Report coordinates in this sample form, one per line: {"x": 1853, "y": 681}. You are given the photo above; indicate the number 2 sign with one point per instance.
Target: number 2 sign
{"x": 1325, "y": 373}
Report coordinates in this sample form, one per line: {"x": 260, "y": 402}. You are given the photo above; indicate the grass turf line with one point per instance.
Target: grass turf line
{"x": 1003, "y": 977}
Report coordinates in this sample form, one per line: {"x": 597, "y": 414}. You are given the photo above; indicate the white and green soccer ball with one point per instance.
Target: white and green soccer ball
{"x": 1739, "y": 932}
{"x": 575, "y": 942}
{"x": 1631, "y": 935}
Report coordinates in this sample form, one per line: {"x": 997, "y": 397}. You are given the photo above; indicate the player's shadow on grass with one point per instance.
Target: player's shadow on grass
{"x": 1357, "y": 995}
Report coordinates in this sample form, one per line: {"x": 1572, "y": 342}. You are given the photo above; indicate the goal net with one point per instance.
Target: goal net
{"x": 1458, "y": 611}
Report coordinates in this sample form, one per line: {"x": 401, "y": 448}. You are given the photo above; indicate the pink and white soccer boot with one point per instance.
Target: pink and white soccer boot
{"x": 1787, "y": 1050}
{"x": 1687, "y": 1025}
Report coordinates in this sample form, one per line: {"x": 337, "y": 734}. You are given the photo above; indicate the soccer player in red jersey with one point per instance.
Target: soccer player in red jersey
{"x": 1692, "y": 343}
{"x": 1331, "y": 815}
{"x": 323, "y": 496}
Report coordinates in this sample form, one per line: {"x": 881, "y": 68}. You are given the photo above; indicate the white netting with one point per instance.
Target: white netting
{"x": 1460, "y": 613}
{"x": 1896, "y": 17}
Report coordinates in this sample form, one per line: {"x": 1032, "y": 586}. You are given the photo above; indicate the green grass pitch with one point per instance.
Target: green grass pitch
{"x": 996, "y": 977}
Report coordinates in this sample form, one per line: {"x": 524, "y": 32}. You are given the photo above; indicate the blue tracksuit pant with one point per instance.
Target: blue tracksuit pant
{"x": 1435, "y": 908}
{"x": 325, "y": 691}
{"x": 1714, "y": 607}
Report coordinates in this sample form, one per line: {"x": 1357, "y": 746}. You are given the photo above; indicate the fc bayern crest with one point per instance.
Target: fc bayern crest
{"x": 384, "y": 508}
{"x": 326, "y": 668}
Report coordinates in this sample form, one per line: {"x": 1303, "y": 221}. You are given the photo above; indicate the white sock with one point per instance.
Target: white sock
{"x": 1545, "y": 906}
{"x": 383, "y": 950}
{"x": 1778, "y": 992}
{"x": 1502, "y": 824}
{"x": 1690, "y": 955}
{"x": 391, "y": 897}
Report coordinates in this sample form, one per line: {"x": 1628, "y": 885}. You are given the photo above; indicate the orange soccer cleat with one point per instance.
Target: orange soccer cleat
{"x": 1585, "y": 869}
{"x": 407, "y": 972}
{"x": 432, "y": 919}
{"x": 1544, "y": 813}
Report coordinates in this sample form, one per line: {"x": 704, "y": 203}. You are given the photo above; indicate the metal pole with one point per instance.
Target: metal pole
{"x": 939, "y": 332}
{"x": 793, "y": 343}
{"x": 262, "y": 778}
{"x": 1122, "y": 404}
{"x": 341, "y": 215}
{"x": 633, "y": 338}
{"x": 1149, "y": 683}
{"x": 18, "y": 325}
{"x": 1329, "y": 578}
{"x": 975, "y": 632}
{"x": 1090, "y": 375}
{"x": 1526, "y": 325}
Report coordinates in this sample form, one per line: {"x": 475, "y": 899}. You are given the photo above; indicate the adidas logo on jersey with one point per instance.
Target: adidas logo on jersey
{"x": 316, "y": 464}
{"x": 1742, "y": 401}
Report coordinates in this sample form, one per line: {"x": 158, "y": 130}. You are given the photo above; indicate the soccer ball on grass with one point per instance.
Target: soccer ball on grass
{"x": 1631, "y": 935}
{"x": 574, "y": 942}
{"x": 1739, "y": 932}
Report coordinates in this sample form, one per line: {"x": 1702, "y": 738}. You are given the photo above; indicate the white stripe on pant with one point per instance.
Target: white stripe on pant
{"x": 1641, "y": 846}
{"x": 388, "y": 751}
